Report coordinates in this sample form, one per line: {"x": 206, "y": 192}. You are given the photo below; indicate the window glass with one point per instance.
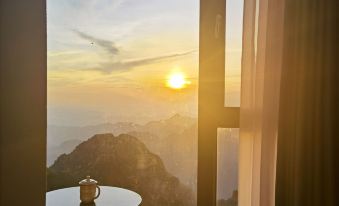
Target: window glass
{"x": 227, "y": 177}
{"x": 233, "y": 51}
{"x": 122, "y": 96}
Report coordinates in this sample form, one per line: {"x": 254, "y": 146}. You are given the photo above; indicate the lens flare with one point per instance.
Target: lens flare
{"x": 177, "y": 81}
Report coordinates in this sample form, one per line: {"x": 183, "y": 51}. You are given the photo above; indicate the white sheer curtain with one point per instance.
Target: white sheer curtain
{"x": 261, "y": 68}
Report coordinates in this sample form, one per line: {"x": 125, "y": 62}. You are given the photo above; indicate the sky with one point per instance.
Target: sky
{"x": 109, "y": 60}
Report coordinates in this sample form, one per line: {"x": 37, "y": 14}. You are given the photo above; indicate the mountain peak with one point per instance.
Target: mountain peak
{"x": 120, "y": 161}
{"x": 180, "y": 119}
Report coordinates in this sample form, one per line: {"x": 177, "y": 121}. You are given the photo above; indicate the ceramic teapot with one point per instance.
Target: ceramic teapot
{"x": 88, "y": 188}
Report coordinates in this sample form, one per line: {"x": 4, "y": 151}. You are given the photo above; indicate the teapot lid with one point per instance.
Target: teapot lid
{"x": 88, "y": 181}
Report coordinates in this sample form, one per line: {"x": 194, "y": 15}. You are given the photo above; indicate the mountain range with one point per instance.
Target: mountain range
{"x": 120, "y": 161}
{"x": 174, "y": 140}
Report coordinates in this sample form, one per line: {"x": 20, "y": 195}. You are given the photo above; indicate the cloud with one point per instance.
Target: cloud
{"x": 109, "y": 46}
{"x": 124, "y": 66}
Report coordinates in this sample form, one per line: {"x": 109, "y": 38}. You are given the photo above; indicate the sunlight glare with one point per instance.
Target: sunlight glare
{"x": 177, "y": 81}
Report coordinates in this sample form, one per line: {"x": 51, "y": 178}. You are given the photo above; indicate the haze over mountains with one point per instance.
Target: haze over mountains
{"x": 62, "y": 138}
{"x": 174, "y": 140}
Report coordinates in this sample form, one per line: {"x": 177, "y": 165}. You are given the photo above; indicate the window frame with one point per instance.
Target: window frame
{"x": 262, "y": 47}
{"x": 212, "y": 114}
{"x": 16, "y": 131}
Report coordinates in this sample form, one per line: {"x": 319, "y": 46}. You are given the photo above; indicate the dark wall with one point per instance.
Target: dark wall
{"x": 22, "y": 102}
{"x": 308, "y": 149}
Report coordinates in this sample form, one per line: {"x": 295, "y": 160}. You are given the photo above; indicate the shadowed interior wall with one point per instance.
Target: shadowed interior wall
{"x": 23, "y": 102}
{"x": 307, "y": 160}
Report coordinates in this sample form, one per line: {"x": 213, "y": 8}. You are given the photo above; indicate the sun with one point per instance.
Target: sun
{"x": 177, "y": 81}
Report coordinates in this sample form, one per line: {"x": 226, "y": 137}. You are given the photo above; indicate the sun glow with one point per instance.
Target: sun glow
{"x": 177, "y": 81}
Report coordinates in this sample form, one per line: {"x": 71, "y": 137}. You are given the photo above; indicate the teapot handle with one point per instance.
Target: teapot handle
{"x": 98, "y": 192}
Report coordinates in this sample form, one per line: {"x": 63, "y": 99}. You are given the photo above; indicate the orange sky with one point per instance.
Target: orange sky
{"x": 109, "y": 61}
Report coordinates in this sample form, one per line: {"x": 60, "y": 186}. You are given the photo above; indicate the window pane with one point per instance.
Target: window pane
{"x": 233, "y": 50}
{"x": 122, "y": 96}
{"x": 227, "y": 178}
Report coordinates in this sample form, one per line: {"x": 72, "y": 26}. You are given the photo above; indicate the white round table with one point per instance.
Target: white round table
{"x": 110, "y": 196}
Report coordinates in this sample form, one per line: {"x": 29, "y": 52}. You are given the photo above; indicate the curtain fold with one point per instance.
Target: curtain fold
{"x": 261, "y": 68}
{"x": 307, "y": 165}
